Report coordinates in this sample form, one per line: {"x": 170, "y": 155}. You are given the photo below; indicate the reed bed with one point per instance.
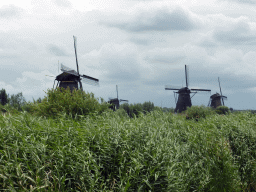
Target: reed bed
{"x": 112, "y": 152}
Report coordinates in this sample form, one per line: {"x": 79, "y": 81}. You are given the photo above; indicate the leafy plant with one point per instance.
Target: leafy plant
{"x": 77, "y": 102}
{"x": 197, "y": 112}
{"x": 222, "y": 110}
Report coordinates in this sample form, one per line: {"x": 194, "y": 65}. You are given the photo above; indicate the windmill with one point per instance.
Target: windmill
{"x": 71, "y": 78}
{"x": 115, "y": 101}
{"x": 215, "y": 99}
{"x": 184, "y": 99}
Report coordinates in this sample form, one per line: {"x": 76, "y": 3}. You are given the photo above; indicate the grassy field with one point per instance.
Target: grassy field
{"x": 113, "y": 152}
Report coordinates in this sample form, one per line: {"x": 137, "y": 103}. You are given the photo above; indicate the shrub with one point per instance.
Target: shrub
{"x": 138, "y": 108}
{"x": 8, "y": 109}
{"x": 77, "y": 102}
{"x": 197, "y": 112}
{"x": 222, "y": 110}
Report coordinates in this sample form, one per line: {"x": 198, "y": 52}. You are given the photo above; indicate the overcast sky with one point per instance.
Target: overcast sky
{"x": 141, "y": 46}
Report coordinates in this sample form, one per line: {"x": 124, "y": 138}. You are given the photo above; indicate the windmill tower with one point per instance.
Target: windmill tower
{"x": 115, "y": 101}
{"x": 71, "y": 78}
{"x": 184, "y": 99}
{"x": 215, "y": 99}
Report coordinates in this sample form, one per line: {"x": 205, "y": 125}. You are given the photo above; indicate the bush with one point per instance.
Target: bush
{"x": 60, "y": 100}
{"x": 138, "y": 108}
{"x": 197, "y": 112}
{"x": 8, "y": 109}
{"x": 169, "y": 110}
{"x": 222, "y": 110}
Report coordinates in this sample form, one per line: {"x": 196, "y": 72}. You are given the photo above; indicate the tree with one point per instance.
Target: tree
{"x": 148, "y": 106}
{"x": 17, "y": 101}
{"x": 3, "y": 97}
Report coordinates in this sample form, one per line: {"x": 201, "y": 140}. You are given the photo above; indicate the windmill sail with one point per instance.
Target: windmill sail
{"x": 200, "y": 90}
{"x": 221, "y": 91}
{"x": 186, "y": 75}
{"x": 90, "y": 80}
{"x": 68, "y": 70}
{"x": 170, "y": 87}
{"x": 76, "y": 54}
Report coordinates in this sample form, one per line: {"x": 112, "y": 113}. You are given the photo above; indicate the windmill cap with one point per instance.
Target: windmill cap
{"x": 184, "y": 89}
{"x": 67, "y": 76}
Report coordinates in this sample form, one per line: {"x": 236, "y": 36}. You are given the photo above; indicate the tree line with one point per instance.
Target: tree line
{"x": 15, "y": 100}
{"x": 18, "y": 102}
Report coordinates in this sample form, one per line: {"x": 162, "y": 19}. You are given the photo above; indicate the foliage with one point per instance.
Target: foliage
{"x": 63, "y": 101}
{"x": 222, "y": 110}
{"x": 148, "y": 107}
{"x": 17, "y": 101}
{"x": 39, "y": 100}
{"x": 170, "y": 110}
{"x": 197, "y": 112}
{"x": 135, "y": 110}
{"x": 3, "y": 97}
{"x": 112, "y": 152}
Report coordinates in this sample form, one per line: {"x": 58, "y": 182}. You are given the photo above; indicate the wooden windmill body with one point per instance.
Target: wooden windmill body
{"x": 71, "y": 78}
{"x": 115, "y": 101}
{"x": 217, "y": 99}
{"x": 184, "y": 98}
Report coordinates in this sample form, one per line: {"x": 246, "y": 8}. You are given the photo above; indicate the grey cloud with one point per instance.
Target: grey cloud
{"x": 159, "y": 20}
{"x": 209, "y": 43}
{"x": 62, "y": 3}
{"x": 57, "y": 51}
{"x": 10, "y": 11}
{"x": 123, "y": 69}
{"x": 241, "y": 33}
{"x": 140, "y": 41}
{"x": 242, "y": 1}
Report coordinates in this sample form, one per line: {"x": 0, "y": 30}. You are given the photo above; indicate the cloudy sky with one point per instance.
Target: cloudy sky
{"x": 141, "y": 46}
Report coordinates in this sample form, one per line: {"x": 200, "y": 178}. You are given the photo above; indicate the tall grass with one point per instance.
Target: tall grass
{"x": 112, "y": 152}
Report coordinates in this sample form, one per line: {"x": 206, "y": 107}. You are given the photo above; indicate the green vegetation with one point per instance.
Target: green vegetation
{"x": 137, "y": 109}
{"x": 222, "y": 110}
{"x": 197, "y": 112}
{"x": 57, "y": 146}
{"x": 3, "y": 97}
{"x": 62, "y": 101}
